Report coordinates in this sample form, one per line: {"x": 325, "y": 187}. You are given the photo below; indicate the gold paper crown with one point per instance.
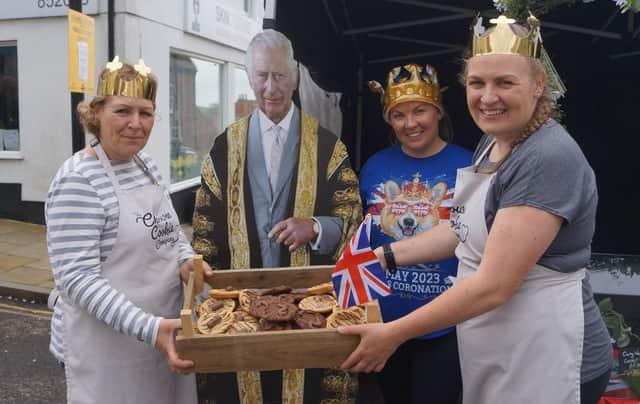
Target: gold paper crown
{"x": 409, "y": 83}
{"x": 140, "y": 86}
{"x": 502, "y": 40}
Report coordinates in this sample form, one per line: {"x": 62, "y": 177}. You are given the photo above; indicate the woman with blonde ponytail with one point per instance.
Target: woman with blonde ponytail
{"x": 522, "y": 221}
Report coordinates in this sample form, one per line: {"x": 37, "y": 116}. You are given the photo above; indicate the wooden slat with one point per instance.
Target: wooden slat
{"x": 323, "y": 348}
{"x": 186, "y": 317}
{"x": 269, "y": 277}
{"x": 189, "y": 293}
{"x": 373, "y": 312}
{"x": 198, "y": 273}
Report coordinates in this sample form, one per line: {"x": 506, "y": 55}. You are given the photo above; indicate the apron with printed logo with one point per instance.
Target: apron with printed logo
{"x": 101, "y": 364}
{"x": 529, "y": 350}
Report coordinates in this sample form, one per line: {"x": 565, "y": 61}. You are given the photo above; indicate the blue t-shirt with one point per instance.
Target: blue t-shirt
{"x": 407, "y": 196}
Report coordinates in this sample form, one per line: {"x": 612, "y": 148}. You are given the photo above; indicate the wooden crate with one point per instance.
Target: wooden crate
{"x": 291, "y": 349}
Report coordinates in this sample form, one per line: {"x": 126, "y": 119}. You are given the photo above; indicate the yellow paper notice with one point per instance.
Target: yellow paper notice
{"x": 81, "y": 36}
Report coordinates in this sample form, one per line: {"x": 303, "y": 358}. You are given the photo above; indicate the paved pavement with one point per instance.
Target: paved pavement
{"x": 24, "y": 265}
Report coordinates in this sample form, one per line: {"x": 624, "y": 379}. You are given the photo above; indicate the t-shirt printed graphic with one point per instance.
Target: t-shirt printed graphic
{"x": 407, "y": 196}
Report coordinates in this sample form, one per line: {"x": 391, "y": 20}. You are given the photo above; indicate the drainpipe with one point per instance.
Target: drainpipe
{"x": 77, "y": 132}
{"x": 110, "y": 31}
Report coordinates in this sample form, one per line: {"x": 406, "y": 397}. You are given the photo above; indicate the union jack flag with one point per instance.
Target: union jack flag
{"x": 358, "y": 276}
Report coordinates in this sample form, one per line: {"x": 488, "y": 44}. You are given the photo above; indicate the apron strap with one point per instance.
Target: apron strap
{"x": 104, "y": 160}
{"x": 484, "y": 152}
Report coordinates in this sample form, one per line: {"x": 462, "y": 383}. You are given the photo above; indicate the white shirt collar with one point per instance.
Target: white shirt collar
{"x": 266, "y": 124}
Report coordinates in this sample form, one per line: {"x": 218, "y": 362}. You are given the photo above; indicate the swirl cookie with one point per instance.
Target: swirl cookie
{"x": 218, "y": 306}
{"x": 243, "y": 323}
{"x": 214, "y": 323}
{"x": 351, "y": 316}
{"x": 318, "y": 303}
{"x": 309, "y": 319}
{"x": 245, "y": 297}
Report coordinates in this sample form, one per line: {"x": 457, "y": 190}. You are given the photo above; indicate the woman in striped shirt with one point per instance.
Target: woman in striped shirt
{"x": 117, "y": 252}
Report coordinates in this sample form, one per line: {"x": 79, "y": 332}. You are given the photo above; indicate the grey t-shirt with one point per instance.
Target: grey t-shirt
{"x": 549, "y": 172}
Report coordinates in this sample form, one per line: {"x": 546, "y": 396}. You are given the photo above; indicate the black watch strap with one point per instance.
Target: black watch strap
{"x": 389, "y": 257}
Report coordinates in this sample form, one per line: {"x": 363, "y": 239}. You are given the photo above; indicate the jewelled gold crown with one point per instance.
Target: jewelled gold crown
{"x": 140, "y": 86}
{"x": 409, "y": 83}
{"x": 503, "y": 40}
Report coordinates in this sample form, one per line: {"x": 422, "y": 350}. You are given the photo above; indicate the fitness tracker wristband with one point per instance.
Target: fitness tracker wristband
{"x": 389, "y": 257}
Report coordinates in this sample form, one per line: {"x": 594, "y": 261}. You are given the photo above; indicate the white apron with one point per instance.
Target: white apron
{"x": 103, "y": 365}
{"x": 528, "y": 350}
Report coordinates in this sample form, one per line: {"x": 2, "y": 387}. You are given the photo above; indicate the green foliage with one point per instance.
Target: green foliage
{"x": 614, "y": 321}
{"x": 519, "y": 9}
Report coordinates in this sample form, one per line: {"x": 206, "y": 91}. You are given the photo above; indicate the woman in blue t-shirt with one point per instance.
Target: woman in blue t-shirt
{"x": 407, "y": 188}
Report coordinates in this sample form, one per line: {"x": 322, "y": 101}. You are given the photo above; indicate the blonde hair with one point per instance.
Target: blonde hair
{"x": 88, "y": 110}
{"x": 545, "y": 107}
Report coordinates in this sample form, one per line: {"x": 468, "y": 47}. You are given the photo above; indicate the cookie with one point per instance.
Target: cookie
{"x": 227, "y": 293}
{"x": 243, "y": 323}
{"x": 291, "y": 297}
{"x": 278, "y": 290}
{"x": 272, "y": 308}
{"x": 266, "y": 325}
{"x": 318, "y": 303}
{"x": 245, "y": 297}
{"x": 309, "y": 319}
{"x": 214, "y": 323}
{"x": 351, "y": 316}
{"x": 219, "y": 306}
{"x": 321, "y": 288}
{"x": 260, "y": 305}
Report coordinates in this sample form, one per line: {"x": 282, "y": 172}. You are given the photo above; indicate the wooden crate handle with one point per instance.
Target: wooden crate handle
{"x": 373, "y": 312}
{"x": 198, "y": 273}
{"x": 187, "y": 323}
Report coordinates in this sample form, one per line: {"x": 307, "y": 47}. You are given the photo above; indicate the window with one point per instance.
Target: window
{"x": 9, "y": 114}
{"x": 244, "y": 101}
{"x": 196, "y": 115}
{"x": 236, "y": 4}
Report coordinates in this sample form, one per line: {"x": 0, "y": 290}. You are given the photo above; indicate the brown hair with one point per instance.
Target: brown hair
{"x": 87, "y": 110}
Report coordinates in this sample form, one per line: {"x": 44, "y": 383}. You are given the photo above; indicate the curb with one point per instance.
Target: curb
{"x": 22, "y": 291}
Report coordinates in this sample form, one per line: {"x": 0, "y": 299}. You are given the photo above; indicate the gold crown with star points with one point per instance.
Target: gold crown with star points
{"x": 503, "y": 40}
{"x": 113, "y": 82}
{"x": 408, "y": 83}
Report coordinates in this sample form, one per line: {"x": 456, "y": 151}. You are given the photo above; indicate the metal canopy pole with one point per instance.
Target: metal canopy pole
{"x": 77, "y": 132}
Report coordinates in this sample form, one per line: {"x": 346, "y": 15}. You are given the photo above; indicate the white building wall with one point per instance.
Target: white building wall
{"x": 147, "y": 29}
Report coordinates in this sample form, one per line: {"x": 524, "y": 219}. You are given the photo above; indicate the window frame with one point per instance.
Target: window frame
{"x": 190, "y": 182}
{"x": 14, "y": 154}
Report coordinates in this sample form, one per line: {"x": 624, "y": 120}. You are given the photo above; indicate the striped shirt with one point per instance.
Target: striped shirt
{"x": 82, "y": 215}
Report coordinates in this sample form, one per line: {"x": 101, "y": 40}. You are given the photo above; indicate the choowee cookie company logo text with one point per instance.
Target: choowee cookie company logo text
{"x": 163, "y": 229}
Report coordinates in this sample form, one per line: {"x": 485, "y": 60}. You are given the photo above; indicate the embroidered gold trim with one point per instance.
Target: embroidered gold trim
{"x": 201, "y": 225}
{"x": 348, "y": 176}
{"x": 342, "y": 386}
{"x": 236, "y": 215}
{"x": 249, "y": 387}
{"x": 346, "y": 205}
{"x": 210, "y": 177}
{"x": 306, "y": 186}
{"x": 201, "y": 199}
{"x": 337, "y": 157}
{"x": 349, "y": 194}
{"x": 204, "y": 247}
{"x": 292, "y": 386}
